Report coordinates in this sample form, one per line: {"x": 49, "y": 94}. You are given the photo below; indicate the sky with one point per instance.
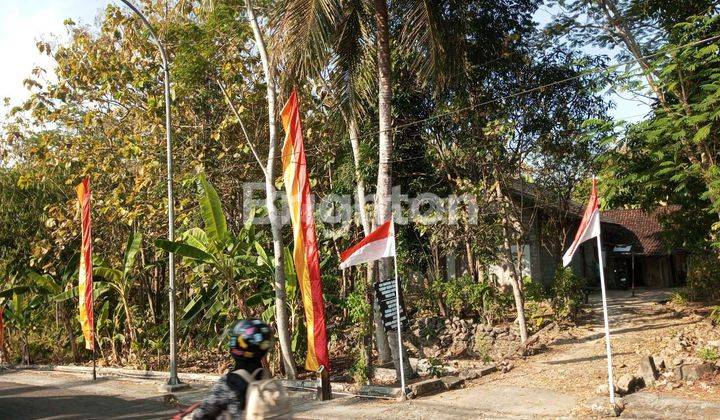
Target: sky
{"x": 24, "y": 22}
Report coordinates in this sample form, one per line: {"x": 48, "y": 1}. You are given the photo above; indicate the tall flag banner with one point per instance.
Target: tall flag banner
{"x": 85, "y": 283}
{"x": 305, "y": 252}
{"x": 380, "y": 243}
{"x": 2, "y": 330}
{"x": 590, "y": 228}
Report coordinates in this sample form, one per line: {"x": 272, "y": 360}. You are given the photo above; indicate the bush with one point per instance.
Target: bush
{"x": 709, "y": 354}
{"x": 703, "y": 279}
{"x": 534, "y": 291}
{"x": 464, "y": 296}
{"x": 715, "y": 315}
{"x": 567, "y": 293}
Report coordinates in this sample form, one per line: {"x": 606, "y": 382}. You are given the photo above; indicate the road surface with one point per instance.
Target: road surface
{"x": 22, "y": 401}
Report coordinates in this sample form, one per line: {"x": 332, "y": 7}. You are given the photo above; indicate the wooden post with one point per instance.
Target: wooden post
{"x": 324, "y": 391}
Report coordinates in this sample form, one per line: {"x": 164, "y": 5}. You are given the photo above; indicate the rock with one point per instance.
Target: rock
{"x": 678, "y": 361}
{"x": 458, "y": 348}
{"x": 601, "y": 407}
{"x": 430, "y": 386}
{"x": 384, "y": 374}
{"x": 487, "y": 369}
{"x": 602, "y": 389}
{"x": 452, "y": 382}
{"x": 659, "y": 362}
{"x": 693, "y": 372}
{"x": 627, "y": 384}
{"x": 714, "y": 343}
{"x": 647, "y": 371}
{"x": 469, "y": 375}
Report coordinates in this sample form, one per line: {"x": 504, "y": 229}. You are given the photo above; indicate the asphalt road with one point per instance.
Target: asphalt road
{"x": 20, "y": 401}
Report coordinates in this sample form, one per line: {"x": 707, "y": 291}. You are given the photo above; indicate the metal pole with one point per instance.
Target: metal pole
{"x": 93, "y": 356}
{"x": 611, "y": 386}
{"x": 399, "y": 324}
{"x": 173, "y": 382}
{"x": 632, "y": 269}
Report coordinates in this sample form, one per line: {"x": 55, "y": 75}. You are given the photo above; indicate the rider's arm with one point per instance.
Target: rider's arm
{"x": 220, "y": 396}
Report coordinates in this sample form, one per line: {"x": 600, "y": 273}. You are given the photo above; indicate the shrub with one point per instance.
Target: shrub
{"x": 464, "y": 296}
{"x": 534, "y": 291}
{"x": 567, "y": 293}
{"x": 715, "y": 315}
{"x": 703, "y": 279}
{"x": 709, "y": 354}
{"x": 679, "y": 298}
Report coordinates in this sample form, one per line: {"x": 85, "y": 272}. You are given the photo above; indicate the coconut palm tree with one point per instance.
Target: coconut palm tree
{"x": 337, "y": 38}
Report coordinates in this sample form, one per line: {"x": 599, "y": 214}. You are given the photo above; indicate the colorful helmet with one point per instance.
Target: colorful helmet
{"x": 250, "y": 338}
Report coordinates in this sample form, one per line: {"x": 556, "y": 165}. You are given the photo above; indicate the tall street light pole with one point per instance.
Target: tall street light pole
{"x": 173, "y": 382}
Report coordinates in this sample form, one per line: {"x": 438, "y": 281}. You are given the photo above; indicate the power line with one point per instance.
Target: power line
{"x": 588, "y": 72}
{"x": 591, "y": 71}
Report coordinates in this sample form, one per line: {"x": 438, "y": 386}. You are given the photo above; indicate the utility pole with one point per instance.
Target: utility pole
{"x": 173, "y": 383}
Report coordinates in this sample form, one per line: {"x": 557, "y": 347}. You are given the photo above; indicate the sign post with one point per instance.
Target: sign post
{"x": 398, "y": 325}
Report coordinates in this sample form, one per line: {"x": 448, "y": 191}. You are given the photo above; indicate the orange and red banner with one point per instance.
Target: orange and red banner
{"x": 85, "y": 283}
{"x": 305, "y": 252}
{"x": 2, "y": 331}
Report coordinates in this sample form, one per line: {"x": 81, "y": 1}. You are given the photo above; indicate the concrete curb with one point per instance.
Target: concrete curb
{"x": 127, "y": 373}
{"x": 207, "y": 378}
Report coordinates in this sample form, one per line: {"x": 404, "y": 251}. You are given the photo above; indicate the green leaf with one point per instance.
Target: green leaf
{"x": 702, "y": 133}
{"x": 211, "y": 208}
{"x": 17, "y": 290}
{"x": 184, "y": 250}
{"x": 110, "y": 274}
{"x": 131, "y": 250}
{"x": 196, "y": 237}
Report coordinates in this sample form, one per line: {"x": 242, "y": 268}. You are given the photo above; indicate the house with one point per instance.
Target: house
{"x": 633, "y": 248}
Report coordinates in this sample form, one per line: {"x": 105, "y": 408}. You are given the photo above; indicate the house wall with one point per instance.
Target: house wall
{"x": 658, "y": 271}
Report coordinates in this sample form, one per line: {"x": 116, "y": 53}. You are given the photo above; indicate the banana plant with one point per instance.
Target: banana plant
{"x": 22, "y": 303}
{"x": 225, "y": 266}
{"x": 120, "y": 280}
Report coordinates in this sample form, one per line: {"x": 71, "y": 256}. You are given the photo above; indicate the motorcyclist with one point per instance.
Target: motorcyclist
{"x": 250, "y": 340}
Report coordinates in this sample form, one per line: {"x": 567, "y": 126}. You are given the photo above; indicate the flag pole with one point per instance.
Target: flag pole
{"x": 93, "y": 356}
{"x": 611, "y": 386}
{"x": 398, "y": 324}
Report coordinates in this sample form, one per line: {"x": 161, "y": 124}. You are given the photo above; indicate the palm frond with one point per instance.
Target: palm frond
{"x": 304, "y": 35}
{"x": 432, "y": 40}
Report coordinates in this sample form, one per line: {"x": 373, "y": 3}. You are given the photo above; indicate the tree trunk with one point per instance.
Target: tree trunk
{"x": 516, "y": 276}
{"x": 67, "y": 322}
{"x": 383, "y": 206}
{"x": 381, "y": 339}
{"x": 281, "y": 315}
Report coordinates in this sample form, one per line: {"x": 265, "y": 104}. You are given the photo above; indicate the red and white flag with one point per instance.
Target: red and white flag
{"x": 380, "y": 243}
{"x": 589, "y": 226}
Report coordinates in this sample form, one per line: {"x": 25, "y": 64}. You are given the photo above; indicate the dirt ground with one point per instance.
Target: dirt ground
{"x": 562, "y": 380}
{"x": 575, "y": 362}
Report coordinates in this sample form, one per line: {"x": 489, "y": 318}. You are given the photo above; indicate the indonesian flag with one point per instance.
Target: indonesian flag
{"x": 380, "y": 243}
{"x": 85, "y": 278}
{"x": 589, "y": 226}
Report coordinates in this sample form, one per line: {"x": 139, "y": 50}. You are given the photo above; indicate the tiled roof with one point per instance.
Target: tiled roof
{"x": 644, "y": 228}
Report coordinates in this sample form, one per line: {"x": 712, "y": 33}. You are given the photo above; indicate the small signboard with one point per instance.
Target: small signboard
{"x": 385, "y": 295}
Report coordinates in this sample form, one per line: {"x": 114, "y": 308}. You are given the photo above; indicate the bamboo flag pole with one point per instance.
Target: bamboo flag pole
{"x": 608, "y": 350}
{"x": 590, "y": 227}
